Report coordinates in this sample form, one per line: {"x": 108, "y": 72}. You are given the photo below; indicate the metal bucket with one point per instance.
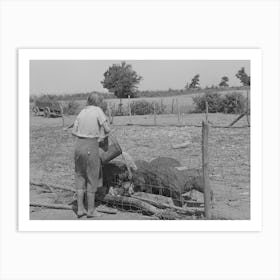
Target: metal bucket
{"x": 111, "y": 152}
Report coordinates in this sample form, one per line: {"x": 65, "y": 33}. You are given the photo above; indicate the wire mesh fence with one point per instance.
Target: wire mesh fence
{"x": 229, "y": 172}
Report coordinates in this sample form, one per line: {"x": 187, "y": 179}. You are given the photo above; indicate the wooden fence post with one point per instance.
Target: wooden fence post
{"x": 62, "y": 114}
{"x": 205, "y": 169}
{"x": 172, "y": 106}
{"x": 248, "y": 108}
{"x": 155, "y": 114}
{"x": 206, "y": 107}
{"x": 178, "y": 110}
{"x": 129, "y": 110}
{"x": 110, "y": 114}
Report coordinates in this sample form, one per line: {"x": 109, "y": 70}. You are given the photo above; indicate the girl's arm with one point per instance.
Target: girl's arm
{"x": 75, "y": 127}
{"x": 106, "y": 127}
{"x": 103, "y": 121}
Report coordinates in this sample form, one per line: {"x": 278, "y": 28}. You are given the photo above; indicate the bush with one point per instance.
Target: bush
{"x": 214, "y": 100}
{"x": 234, "y": 103}
{"x": 231, "y": 103}
{"x": 144, "y": 107}
{"x": 71, "y": 108}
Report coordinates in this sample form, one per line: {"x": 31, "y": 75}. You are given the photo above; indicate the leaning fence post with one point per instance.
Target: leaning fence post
{"x": 155, "y": 114}
{"x": 205, "y": 169}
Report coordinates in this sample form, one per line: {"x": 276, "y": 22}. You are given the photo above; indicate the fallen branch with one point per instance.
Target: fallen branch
{"x": 52, "y": 186}
{"x": 106, "y": 210}
{"x": 50, "y": 205}
{"x": 164, "y": 205}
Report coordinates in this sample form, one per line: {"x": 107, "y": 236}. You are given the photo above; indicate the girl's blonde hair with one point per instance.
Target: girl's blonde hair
{"x": 97, "y": 100}
{"x": 93, "y": 99}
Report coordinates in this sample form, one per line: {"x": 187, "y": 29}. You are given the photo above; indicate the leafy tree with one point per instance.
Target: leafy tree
{"x": 243, "y": 77}
{"x": 121, "y": 80}
{"x": 194, "y": 82}
{"x": 224, "y": 82}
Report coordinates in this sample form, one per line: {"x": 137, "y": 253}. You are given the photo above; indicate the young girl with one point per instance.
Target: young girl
{"x": 89, "y": 127}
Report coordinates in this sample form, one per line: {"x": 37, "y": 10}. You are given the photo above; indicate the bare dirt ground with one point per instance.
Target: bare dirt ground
{"x": 51, "y": 157}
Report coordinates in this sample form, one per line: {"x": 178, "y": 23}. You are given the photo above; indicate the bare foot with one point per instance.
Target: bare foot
{"x": 93, "y": 214}
{"x": 81, "y": 213}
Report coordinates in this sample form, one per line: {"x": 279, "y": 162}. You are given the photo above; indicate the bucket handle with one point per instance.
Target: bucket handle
{"x": 113, "y": 139}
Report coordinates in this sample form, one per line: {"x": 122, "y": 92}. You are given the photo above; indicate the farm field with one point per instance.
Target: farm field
{"x": 185, "y": 102}
{"x": 51, "y": 156}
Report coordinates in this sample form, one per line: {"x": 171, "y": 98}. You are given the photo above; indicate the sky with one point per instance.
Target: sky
{"x": 77, "y": 76}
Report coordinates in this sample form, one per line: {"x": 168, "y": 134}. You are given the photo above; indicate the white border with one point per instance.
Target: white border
{"x": 254, "y": 55}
